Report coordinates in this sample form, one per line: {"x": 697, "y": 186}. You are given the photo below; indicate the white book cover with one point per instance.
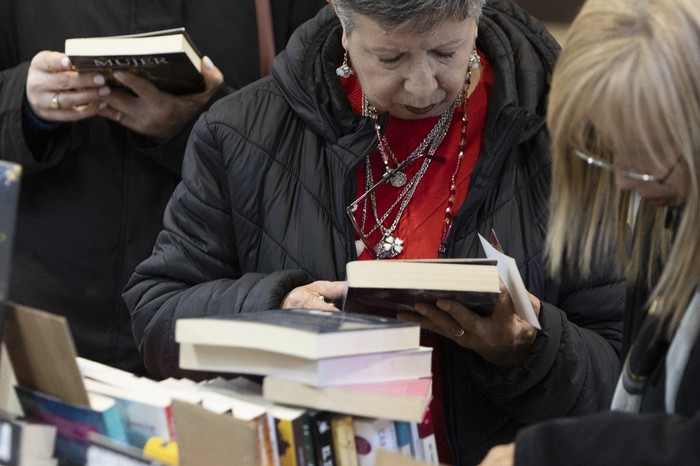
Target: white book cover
{"x": 371, "y": 435}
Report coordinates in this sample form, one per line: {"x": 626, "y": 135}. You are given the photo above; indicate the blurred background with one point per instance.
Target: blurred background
{"x": 557, "y": 14}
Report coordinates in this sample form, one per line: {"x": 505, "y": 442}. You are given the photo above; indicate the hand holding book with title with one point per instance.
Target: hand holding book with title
{"x": 167, "y": 58}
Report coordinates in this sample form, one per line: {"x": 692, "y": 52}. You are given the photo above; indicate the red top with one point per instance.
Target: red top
{"x": 421, "y": 224}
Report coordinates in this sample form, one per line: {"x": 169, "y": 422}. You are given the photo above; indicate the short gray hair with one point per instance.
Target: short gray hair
{"x": 416, "y": 15}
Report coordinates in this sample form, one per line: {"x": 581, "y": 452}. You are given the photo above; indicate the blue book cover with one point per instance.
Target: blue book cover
{"x": 404, "y": 439}
{"x": 74, "y": 423}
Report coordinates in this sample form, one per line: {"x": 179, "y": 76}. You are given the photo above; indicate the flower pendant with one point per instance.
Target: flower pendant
{"x": 389, "y": 247}
{"x": 398, "y": 179}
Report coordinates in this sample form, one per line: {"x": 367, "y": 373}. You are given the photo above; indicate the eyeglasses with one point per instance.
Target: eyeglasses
{"x": 630, "y": 174}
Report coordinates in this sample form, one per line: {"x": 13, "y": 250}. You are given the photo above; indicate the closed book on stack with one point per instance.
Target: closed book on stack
{"x": 402, "y": 400}
{"x": 302, "y": 333}
{"x": 340, "y": 370}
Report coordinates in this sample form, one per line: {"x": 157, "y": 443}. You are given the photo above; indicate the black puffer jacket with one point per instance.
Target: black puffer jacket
{"x": 261, "y": 209}
{"x": 93, "y": 192}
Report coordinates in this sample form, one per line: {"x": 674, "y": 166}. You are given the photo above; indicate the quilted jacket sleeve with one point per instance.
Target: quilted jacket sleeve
{"x": 193, "y": 272}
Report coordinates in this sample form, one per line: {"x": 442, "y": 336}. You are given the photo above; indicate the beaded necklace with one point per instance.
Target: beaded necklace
{"x": 389, "y": 245}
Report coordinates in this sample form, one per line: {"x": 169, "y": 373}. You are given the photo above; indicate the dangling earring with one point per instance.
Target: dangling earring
{"x": 474, "y": 60}
{"x": 344, "y": 70}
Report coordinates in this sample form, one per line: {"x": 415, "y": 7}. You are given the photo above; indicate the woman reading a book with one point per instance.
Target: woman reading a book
{"x": 624, "y": 116}
{"x": 391, "y": 129}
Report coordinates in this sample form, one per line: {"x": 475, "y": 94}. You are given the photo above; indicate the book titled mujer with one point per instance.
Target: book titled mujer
{"x": 168, "y": 58}
{"x": 312, "y": 334}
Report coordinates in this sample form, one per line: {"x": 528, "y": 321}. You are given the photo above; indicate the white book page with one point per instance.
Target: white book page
{"x": 509, "y": 273}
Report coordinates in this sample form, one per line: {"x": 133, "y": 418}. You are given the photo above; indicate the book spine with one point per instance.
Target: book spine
{"x": 267, "y": 437}
{"x": 308, "y": 441}
{"x": 426, "y": 433}
{"x": 322, "y": 438}
{"x": 343, "y": 434}
{"x": 290, "y": 440}
{"x": 416, "y": 444}
{"x": 371, "y": 435}
{"x": 403, "y": 438}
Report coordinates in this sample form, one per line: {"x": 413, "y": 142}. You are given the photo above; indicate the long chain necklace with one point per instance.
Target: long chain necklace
{"x": 390, "y": 246}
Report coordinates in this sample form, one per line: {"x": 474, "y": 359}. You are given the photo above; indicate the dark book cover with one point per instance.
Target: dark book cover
{"x": 314, "y": 321}
{"x": 10, "y": 174}
{"x": 322, "y": 436}
{"x": 173, "y": 73}
{"x": 387, "y": 302}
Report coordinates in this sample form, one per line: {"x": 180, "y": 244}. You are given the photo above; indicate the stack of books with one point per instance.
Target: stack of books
{"x": 356, "y": 382}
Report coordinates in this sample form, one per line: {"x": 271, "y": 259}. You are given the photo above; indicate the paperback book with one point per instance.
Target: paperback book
{"x": 168, "y": 58}
{"x": 387, "y": 287}
{"x": 304, "y": 333}
{"x": 402, "y": 400}
{"x": 341, "y": 370}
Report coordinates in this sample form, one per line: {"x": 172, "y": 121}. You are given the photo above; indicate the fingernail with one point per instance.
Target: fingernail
{"x": 103, "y": 91}
{"x": 103, "y": 105}
{"x": 119, "y": 75}
{"x": 99, "y": 80}
{"x": 208, "y": 64}
{"x": 65, "y": 62}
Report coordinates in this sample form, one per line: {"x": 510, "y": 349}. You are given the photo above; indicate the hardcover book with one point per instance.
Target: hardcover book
{"x": 304, "y": 333}
{"x": 341, "y": 370}
{"x": 386, "y": 287}
{"x": 168, "y": 58}
{"x": 402, "y": 400}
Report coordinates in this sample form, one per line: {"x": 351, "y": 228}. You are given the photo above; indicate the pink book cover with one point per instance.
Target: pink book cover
{"x": 416, "y": 388}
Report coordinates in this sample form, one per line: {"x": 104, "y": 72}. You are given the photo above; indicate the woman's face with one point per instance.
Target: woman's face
{"x": 411, "y": 75}
{"x": 672, "y": 191}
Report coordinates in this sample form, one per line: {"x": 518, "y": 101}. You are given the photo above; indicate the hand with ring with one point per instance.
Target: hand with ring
{"x": 58, "y": 93}
{"x": 501, "y": 338}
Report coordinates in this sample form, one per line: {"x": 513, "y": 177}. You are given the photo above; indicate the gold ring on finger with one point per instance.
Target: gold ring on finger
{"x": 118, "y": 117}
{"x": 459, "y": 333}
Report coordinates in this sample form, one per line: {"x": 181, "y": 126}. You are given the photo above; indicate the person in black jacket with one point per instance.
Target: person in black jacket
{"x": 99, "y": 170}
{"x": 624, "y": 115}
{"x": 260, "y": 219}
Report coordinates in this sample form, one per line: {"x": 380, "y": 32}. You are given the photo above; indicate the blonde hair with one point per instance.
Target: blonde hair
{"x": 627, "y": 83}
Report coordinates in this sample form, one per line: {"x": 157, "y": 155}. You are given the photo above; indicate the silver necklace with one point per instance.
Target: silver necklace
{"x": 390, "y": 246}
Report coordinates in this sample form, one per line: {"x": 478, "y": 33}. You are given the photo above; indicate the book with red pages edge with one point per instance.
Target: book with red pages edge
{"x": 402, "y": 400}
